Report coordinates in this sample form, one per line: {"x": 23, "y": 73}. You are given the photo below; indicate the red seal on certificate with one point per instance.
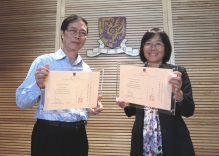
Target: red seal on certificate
{"x": 80, "y": 100}
{"x": 151, "y": 97}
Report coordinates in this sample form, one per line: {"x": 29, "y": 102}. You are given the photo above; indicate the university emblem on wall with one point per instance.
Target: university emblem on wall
{"x": 112, "y": 32}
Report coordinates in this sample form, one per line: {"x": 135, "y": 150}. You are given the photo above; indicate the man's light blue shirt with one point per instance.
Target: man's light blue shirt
{"x": 29, "y": 93}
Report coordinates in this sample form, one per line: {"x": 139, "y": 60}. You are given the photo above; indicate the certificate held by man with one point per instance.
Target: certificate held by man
{"x": 71, "y": 89}
{"x": 146, "y": 86}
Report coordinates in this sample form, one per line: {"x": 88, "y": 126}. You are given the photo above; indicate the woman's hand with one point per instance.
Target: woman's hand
{"x": 176, "y": 82}
{"x": 121, "y": 104}
{"x": 99, "y": 108}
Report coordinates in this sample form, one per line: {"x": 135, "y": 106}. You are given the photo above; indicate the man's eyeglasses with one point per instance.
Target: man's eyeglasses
{"x": 82, "y": 33}
{"x": 157, "y": 45}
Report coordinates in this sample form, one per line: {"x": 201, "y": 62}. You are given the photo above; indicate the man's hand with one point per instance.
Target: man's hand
{"x": 41, "y": 74}
{"x": 99, "y": 108}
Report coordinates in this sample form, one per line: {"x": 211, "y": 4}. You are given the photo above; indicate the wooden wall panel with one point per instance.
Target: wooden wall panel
{"x": 196, "y": 34}
{"x": 27, "y": 31}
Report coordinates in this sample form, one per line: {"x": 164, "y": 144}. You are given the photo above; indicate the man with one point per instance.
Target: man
{"x": 58, "y": 132}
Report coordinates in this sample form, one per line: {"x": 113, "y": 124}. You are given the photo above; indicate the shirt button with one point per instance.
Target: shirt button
{"x": 164, "y": 131}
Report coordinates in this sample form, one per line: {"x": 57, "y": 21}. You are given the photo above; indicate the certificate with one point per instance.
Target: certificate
{"x": 71, "y": 89}
{"x": 146, "y": 86}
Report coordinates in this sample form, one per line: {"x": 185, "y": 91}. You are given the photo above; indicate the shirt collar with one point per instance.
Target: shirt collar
{"x": 60, "y": 55}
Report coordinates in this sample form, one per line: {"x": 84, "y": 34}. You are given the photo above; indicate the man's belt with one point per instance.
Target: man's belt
{"x": 78, "y": 124}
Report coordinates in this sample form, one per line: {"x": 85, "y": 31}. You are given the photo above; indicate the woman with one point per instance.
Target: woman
{"x": 155, "y": 133}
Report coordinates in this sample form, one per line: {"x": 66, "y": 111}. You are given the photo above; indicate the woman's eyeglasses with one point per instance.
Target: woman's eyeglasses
{"x": 157, "y": 45}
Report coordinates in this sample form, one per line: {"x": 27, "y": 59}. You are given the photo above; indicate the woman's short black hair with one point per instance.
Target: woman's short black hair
{"x": 70, "y": 19}
{"x": 165, "y": 39}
